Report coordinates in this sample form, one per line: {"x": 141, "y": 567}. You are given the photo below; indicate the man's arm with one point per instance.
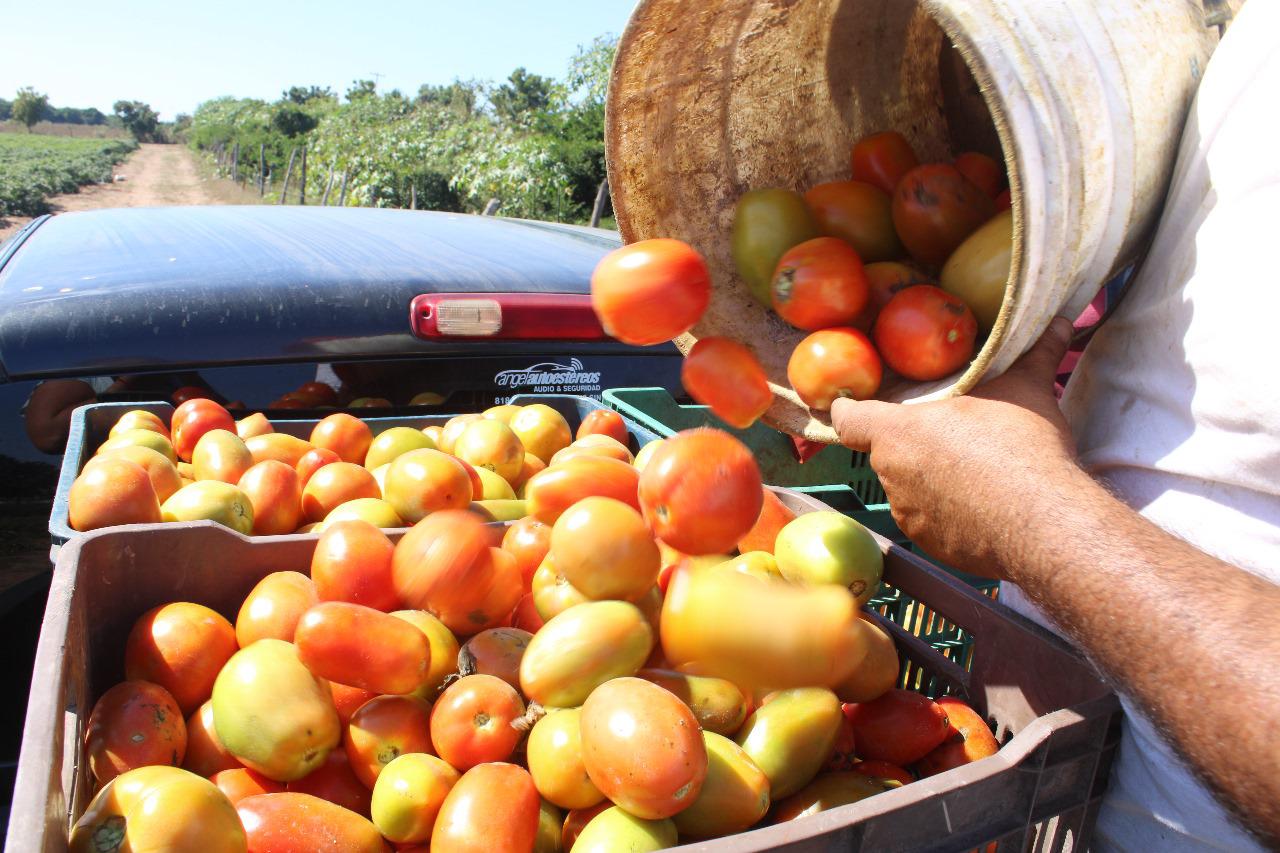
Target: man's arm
{"x": 48, "y": 414}
{"x": 988, "y": 483}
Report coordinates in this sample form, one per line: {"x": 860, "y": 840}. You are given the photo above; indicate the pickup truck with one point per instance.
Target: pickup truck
{"x": 248, "y": 304}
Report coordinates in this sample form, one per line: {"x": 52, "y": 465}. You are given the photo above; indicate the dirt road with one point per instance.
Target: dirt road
{"x": 154, "y": 176}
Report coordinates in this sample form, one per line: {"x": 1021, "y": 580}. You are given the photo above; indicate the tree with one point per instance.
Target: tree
{"x": 361, "y": 89}
{"x": 300, "y": 95}
{"x": 458, "y": 96}
{"x": 30, "y": 106}
{"x": 138, "y": 118}
{"x": 519, "y": 100}
{"x": 6, "y": 109}
{"x": 292, "y": 121}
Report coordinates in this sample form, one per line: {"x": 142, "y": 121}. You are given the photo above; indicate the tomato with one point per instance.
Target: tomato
{"x": 834, "y": 363}
{"x": 877, "y": 673}
{"x": 774, "y": 515}
{"x": 526, "y": 616}
{"x": 495, "y": 652}
{"x": 489, "y": 443}
{"x": 336, "y": 782}
{"x": 935, "y": 208}
{"x": 273, "y": 490}
{"x": 968, "y": 739}
{"x": 162, "y": 473}
{"x": 766, "y": 223}
{"x": 734, "y": 797}
{"x": 158, "y": 808}
{"x": 370, "y": 403}
{"x": 392, "y": 443}
{"x": 280, "y": 446}
{"x": 818, "y": 284}
{"x": 240, "y": 782}
{"x": 542, "y": 430}
{"x": 452, "y": 429}
{"x": 190, "y": 392}
{"x": 181, "y": 647}
{"x": 550, "y": 823}
{"x": 719, "y": 705}
{"x": 444, "y": 649}
{"x": 830, "y": 548}
{"x": 321, "y": 393}
{"x": 255, "y": 424}
{"x": 471, "y": 721}
{"x": 134, "y": 724}
{"x": 555, "y": 760}
{"x": 882, "y": 159}
{"x": 616, "y": 829}
{"x": 982, "y": 171}
{"x": 827, "y": 792}
{"x": 473, "y": 475}
{"x": 205, "y": 753}
{"x": 576, "y": 820}
{"x": 603, "y": 548}
{"x": 552, "y": 592}
{"x": 274, "y": 607}
{"x": 582, "y": 648}
{"x": 362, "y": 647}
{"x": 112, "y": 490}
{"x": 604, "y": 422}
{"x": 352, "y": 562}
{"x": 346, "y": 435}
{"x": 528, "y": 540}
{"x": 372, "y": 511}
{"x": 493, "y": 808}
{"x": 192, "y": 420}
{"x": 899, "y": 727}
{"x": 221, "y": 455}
{"x": 382, "y": 730}
{"x": 884, "y": 771}
{"x": 139, "y": 419}
{"x": 549, "y": 493}
{"x": 925, "y": 333}
{"x": 213, "y": 500}
{"x": 312, "y": 461}
{"x": 334, "y": 485}
{"x": 532, "y": 465}
{"x": 642, "y": 748}
{"x": 421, "y": 482}
{"x": 650, "y": 291}
{"x": 594, "y": 445}
{"x": 347, "y": 699}
{"x": 791, "y": 735}
{"x": 300, "y": 823}
{"x": 885, "y": 279}
{"x": 432, "y": 559}
{"x": 725, "y": 376}
{"x": 408, "y": 795}
{"x": 701, "y": 492}
{"x": 978, "y": 271}
{"x": 858, "y": 213}
{"x": 140, "y": 438}
{"x": 1004, "y": 201}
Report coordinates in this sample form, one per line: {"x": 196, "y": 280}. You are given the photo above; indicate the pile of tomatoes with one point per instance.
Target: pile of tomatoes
{"x": 903, "y": 267}
{"x": 658, "y": 650}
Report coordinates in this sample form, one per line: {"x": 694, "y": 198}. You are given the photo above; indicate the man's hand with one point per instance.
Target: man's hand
{"x": 959, "y": 472}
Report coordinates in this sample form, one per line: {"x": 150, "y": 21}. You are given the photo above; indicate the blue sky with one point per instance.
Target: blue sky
{"x": 174, "y": 54}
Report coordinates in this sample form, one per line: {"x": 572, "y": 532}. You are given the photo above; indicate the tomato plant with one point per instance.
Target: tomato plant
{"x": 819, "y": 284}
{"x": 650, "y": 291}
{"x": 725, "y": 376}
{"x": 926, "y": 333}
{"x": 834, "y": 363}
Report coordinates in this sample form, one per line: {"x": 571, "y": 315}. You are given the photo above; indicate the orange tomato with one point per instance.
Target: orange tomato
{"x": 926, "y": 333}
{"x": 334, "y": 485}
{"x": 279, "y": 446}
{"x": 336, "y": 782}
{"x": 819, "y": 283}
{"x": 489, "y": 443}
{"x": 240, "y": 782}
{"x": 352, "y": 562}
{"x": 347, "y": 699}
{"x": 650, "y": 291}
{"x": 882, "y": 159}
{"x": 833, "y": 363}
{"x": 532, "y": 465}
{"x": 453, "y": 429}
{"x": 900, "y": 727}
{"x": 604, "y": 549}
{"x": 984, "y": 172}
{"x": 554, "y": 490}
{"x": 255, "y": 424}
{"x": 362, "y": 647}
{"x": 182, "y": 647}
{"x": 576, "y": 820}
{"x": 885, "y": 279}
{"x": 884, "y": 771}
{"x": 139, "y": 419}
{"x": 221, "y": 455}
{"x": 969, "y": 738}
{"x": 346, "y": 435}
{"x": 604, "y": 422}
{"x": 274, "y": 606}
{"x": 542, "y": 430}
{"x": 491, "y": 590}
{"x": 471, "y": 721}
{"x": 725, "y": 376}
{"x": 552, "y": 592}
{"x": 554, "y": 751}
{"x": 273, "y": 489}
{"x": 878, "y": 671}
{"x": 496, "y": 652}
{"x": 477, "y": 484}
{"x": 493, "y": 808}
{"x": 192, "y": 420}
{"x": 205, "y": 753}
{"x": 134, "y": 724}
{"x": 383, "y": 729}
{"x": 112, "y": 490}
{"x": 935, "y": 208}
{"x": 300, "y": 823}
{"x": 774, "y": 515}
{"x": 312, "y": 461}
{"x": 595, "y": 445}
{"x": 425, "y": 481}
{"x": 526, "y": 616}
{"x": 701, "y": 491}
{"x": 642, "y": 747}
{"x": 436, "y": 554}
{"x": 858, "y": 213}
{"x": 528, "y": 540}
{"x": 165, "y": 479}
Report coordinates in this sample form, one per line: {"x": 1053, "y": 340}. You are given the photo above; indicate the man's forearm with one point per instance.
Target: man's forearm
{"x": 1109, "y": 577}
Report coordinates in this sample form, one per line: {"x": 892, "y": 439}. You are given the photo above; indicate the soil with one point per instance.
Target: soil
{"x": 153, "y": 176}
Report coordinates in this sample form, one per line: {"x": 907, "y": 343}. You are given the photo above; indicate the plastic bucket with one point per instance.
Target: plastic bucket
{"x": 1083, "y": 99}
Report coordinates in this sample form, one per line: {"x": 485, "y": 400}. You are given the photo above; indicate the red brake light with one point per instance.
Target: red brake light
{"x": 505, "y": 316}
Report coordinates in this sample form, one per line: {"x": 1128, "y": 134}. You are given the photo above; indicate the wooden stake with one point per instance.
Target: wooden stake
{"x": 284, "y": 191}
{"x": 602, "y": 196}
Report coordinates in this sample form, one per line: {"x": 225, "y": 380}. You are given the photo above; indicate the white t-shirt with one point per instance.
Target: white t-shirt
{"x": 1176, "y": 401}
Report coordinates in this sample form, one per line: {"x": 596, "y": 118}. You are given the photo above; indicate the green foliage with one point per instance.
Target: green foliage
{"x": 6, "y": 109}
{"x": 293, "y": 122}
{"x": 523, "y": 99}
{"x": 33, "y": 167}
{"x": 30, "y": 106}
{"x": 361, "y": 89}
{"x": 301, "y": 95}
{"x": 138, "y": 118}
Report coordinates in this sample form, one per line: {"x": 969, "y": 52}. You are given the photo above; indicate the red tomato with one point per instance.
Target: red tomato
{"x": 885, "y": 279}
{"x": 493, "y": 808}
{"x": 935, "y": 208}
{"x": 352, "y": 562}
{"x": 985, "y": 173}
{"x": 1003, "y": 202}
{"x": 431, "y": 560}
{"x": 301, "y": 823}
{"x": 471, "y": 721}
{"x": 192, "y": 419}
{"x": 834, "y": 363}
{"x": 382, "y": 730}
{"x": 926, "y": 333}
{"x": 190, "y": 392}
{"x": 321, "y": 393}
{"x": 346, "y": 435}
{"x": 604, "y": 422}
{"x": 205, "y": 753}
{"x": 347, "y": 699}
{"x": 335, "y": 484}
{"x": 882, "y": 159}
{"x": 526, "y": 616}
{"x": 528, "y": 540}
{"x": 273, "y": 490}
{"x": 651, "y": 291}
{"x": 818, "y": 284}
{"x": 859, "y": 213}
{"x": 241, "y": 782}
{"x": 701, "y": 491}
{"x": 134, "y": 724}
{"x": 726, "y": 377}
{"x": 900, "y": 727}
{"x": 774, "y": 515}
{"x": 182, "y": 647}
{"x": 312, "y": 461}
{"x": 968, "y": 739}
{"x": 362, "y": 647}
{"x": 336, "y": 782}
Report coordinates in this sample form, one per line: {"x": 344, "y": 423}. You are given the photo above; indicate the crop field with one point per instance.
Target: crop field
{"x": 34, "y": 167}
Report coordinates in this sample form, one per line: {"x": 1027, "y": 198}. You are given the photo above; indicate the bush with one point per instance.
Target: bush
{"x": 35, "y": 167}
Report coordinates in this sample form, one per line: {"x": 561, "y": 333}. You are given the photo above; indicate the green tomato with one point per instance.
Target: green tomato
{"x": 766, "y": 223}
{"x": 978, "y": 271}
{"x": 790, "y": 737}
{"x": 614, "y": 830}
{"x": 830, "y": 548}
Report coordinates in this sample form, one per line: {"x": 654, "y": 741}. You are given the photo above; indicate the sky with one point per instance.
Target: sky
{"x": 177, "y": 53}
